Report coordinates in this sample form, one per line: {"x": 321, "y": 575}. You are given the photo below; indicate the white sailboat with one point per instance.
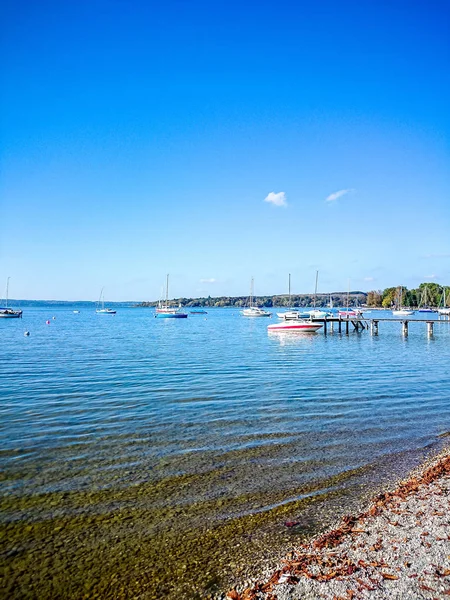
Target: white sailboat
{"x": 399, "y": 310}
{"x": 165, "y": 311}
{"x": 101, "y": 303}
{"x": 445, "y": 310}
{"x": 254, "y": 311}
{"x": 316, "y": 313}
{"x": 5, "y": 311}
{"x": 291, "y": 314}
{"x": 424, "y": 302}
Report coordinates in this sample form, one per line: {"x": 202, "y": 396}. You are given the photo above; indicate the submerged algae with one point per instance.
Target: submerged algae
{"x": 128, "y": 542}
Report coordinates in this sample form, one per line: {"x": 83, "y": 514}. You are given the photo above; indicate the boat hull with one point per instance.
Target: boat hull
{"x": 304, "y": 327}
{"x": 402, "y": 313}
{"x": 171, "y": 316}
{"x": 251, "y": 312}
{"x": 13, "y": 314}
{"x": 106, "y": 312}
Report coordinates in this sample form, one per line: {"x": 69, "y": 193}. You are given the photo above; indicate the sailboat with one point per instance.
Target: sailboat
{"x": 291, "y": 314}
{"x": 165, "y": 311}
{"x": 254, "y": 311}
{"x": 424, "y": 304}
{"x": 445, "y": 310}
{"x": 398, "y": 310}
{"x": 5, "y": 311}
{"x": 103, "y": 310}
{"x": 315, "y": 313}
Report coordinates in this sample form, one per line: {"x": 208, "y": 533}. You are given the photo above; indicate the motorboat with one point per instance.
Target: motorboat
{"x": 254, "y": 311}
{"x": 198, "y": 312}
{"x": 319, "y": 314}
{"x": 350, "y": 314}
{"x": 402, "y": 312}
{"x": 7, "y": 312}
{"x": 293, "y": 315}
{"x": 300, "y": 325}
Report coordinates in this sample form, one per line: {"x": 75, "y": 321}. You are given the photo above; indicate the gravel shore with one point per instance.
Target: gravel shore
{"x": 398, "y": 549}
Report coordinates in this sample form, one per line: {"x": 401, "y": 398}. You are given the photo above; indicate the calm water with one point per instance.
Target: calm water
{"x": 201, "y": 420}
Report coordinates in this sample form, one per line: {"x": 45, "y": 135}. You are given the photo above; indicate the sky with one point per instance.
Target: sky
{"x": 219, "y": 141}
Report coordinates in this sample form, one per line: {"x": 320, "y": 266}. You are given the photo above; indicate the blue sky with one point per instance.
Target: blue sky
{"x": 142, "y": 138}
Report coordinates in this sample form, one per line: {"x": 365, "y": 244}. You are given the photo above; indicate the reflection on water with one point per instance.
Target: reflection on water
{"x": 287, "y": 338}
{"x": 175, "y": 438}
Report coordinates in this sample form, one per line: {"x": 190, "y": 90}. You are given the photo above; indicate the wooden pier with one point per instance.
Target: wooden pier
{"x": 362, "y": 323}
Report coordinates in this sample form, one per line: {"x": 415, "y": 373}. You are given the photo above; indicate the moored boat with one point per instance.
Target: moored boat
{"x": 300, "y": 325}
{"x": 399, "y": 310}
{"x": 165, "y": 311}
{"x": 254, "y": 311}
{"x": 293, "y": 315}
{"x": 103, "y": 310}
{"x": 7, "y": 312}
{"x": 444, "y": 310}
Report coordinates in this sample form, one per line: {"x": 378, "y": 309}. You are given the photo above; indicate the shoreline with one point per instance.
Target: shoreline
{"x": 398, "y": 548}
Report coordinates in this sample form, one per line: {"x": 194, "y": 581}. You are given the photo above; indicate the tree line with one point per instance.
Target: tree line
{"x": 355, "y": 298}
{"x": 427, "y": 295}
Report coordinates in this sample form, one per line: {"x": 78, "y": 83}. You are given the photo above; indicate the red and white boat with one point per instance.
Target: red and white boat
{"x": 349, "y": 314}
{"x": 295, "y": 325}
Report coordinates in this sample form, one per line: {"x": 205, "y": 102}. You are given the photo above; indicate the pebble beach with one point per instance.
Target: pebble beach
{"x": 398, "y": 548}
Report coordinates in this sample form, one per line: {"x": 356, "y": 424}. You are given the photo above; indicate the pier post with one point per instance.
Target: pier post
{"x": 346, "y": 327}
{"x": 325, "y": 326}
{"x": 340, "y": 325}
{"x": 405, "y": 328}
{"x": 331, "y": 326}
{"x": 430, "y": 326}
{"x": 373, "y": 327}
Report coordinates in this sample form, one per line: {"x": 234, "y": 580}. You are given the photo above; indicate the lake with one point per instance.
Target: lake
{"x": 161, "y": 458}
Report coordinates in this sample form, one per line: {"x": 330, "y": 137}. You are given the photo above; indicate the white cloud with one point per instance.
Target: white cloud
{"x": 369, "y": 279}
{"x": 430, "y": 276}
{"x": 335, "y": 195}
{"x": 211, "y": 280}
{"x": 277, "y": 199}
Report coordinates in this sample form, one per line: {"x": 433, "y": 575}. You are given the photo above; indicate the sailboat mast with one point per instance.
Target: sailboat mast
{"x": 348, "y": 296}
{"x": 289, "y": 290}
{"x": 251, "y": 293}
{"x": 315, "y": 289}
{"x": 167, "y": 289}
{"x": 7, "y": 288}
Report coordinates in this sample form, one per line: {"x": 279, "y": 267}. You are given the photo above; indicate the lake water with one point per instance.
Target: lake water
{"x": 160, "y": 457}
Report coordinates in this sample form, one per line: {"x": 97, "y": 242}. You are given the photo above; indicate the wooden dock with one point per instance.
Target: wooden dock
{"x": 362, "y": 323}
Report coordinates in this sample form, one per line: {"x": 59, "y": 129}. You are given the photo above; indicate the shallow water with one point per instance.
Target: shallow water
{"x": 175, "y": 438}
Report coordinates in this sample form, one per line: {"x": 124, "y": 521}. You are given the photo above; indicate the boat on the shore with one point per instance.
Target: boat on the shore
{"x": 165, "y": 311}
{"x": 103, "y": 310}
{"x": 254, "y": 311}
{"x": 7, "y": 312}
{"x": 299, "y": 325}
